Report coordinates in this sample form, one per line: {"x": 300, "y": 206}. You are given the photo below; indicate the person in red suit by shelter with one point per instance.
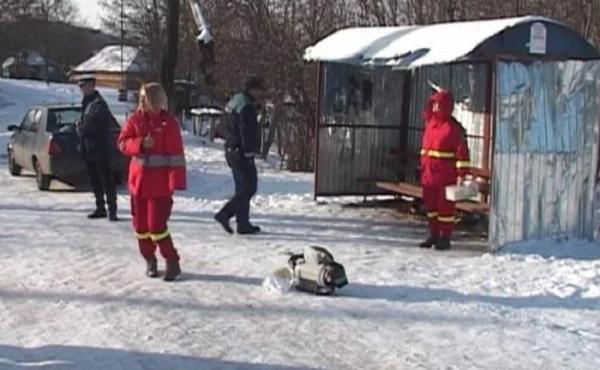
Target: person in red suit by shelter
{"x": 444, "y": 161}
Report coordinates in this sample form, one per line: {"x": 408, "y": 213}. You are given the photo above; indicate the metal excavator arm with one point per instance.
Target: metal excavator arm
{"x": 205, "y": 43}
{"x": 204, "y": 33}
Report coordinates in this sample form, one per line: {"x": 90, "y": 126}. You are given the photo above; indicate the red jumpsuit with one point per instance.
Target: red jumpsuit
{"x": 444, "y": 157}
{"x": 154, "y": 175}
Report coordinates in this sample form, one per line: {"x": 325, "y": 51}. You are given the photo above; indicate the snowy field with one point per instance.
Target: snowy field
{"x": 73, "y": 294}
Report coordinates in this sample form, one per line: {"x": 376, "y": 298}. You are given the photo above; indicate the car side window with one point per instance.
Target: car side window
{"x": 36, "y": 120}
{"x": 27, "y": 120}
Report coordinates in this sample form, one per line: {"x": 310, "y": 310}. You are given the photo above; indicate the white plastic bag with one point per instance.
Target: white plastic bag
{"x": 279, "y": 281}
{"x": 456, "y": 193}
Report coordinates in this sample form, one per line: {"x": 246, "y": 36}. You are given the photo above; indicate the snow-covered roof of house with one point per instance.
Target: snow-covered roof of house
{"x": 208, "y": 111}
{"x": 413, "y": 46}
{"x": 30, "y": 58}
{"x": 109, "y": 60}
{"x": 9, "y": 62}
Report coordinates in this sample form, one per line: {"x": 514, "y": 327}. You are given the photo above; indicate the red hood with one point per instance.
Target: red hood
{"x": 446, "y": 101}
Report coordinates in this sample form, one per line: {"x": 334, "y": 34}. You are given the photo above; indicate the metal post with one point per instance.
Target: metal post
{"x": 489, "y": 122}
{"x": 403, "y": 155}
{"x": 318, "y": 123}
{"x": 487, "y": 126}
{"x": 122, "y": 41}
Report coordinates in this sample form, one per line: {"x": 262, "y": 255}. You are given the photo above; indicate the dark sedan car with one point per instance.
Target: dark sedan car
{"x": 47, "y": 143}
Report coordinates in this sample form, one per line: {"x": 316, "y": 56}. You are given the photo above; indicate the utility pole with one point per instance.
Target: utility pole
{"x": 122, "y": 41}
{"x": 169, "y": 62}
{"x": 123, "y": 90}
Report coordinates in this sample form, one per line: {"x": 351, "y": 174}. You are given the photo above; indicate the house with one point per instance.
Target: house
{"x": 115, "y": 66}
{"x": 29, "y": 64}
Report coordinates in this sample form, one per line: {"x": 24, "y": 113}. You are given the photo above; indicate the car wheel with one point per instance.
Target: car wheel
{"x": 42, "y": 180}
{"x": 13, "y": 167}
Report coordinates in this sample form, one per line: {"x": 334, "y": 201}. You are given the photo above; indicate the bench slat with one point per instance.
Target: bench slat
{"x": 417, "y": 192}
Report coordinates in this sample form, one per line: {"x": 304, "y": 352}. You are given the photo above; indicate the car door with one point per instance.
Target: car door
{"x": 19, "y": 139}
{"x": 30, "y": 137}
{"x": 39, "y": 140}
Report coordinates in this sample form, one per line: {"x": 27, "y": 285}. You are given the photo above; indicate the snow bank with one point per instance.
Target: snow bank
{"x": 17, "y": 96}
{"x": 555, "y": 249}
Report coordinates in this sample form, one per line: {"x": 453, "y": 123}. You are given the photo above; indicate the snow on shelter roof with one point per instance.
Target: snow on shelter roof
{"x": 411, "y": 46}
{"x": 109, "y": 60}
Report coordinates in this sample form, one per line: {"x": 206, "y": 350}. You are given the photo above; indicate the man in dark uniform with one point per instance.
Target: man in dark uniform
{"x": 95, "y": 131}
{"x": 241, "y": 147}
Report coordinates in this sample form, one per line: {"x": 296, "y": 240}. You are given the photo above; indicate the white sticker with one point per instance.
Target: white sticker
{"x": 538, "y": 39}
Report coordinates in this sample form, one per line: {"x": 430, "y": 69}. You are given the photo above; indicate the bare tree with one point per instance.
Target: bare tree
{"x": 55, "y": 10}
{"x": 144, "y": 26}
{"x": 385, "y": 12}
{"x": 169, "y": 62}
{"x": 50, "y": 10}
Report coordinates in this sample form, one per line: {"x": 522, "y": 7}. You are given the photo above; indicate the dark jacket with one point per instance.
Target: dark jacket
{"x": 95, "y": 128}
{"x": 242, "y": 126}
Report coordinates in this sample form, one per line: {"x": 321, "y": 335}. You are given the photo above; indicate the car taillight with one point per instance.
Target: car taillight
{"x": 53, "y": 147}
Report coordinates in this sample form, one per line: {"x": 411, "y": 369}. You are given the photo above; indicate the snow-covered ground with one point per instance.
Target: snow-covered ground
{"x": 73, "y": 294}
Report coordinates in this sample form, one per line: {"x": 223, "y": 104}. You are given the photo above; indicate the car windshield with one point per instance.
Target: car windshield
{"x": 62, "y": 119}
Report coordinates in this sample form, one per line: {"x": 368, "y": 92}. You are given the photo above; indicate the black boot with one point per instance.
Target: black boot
{"x": 173, "y": 270}
{"x": 112, "y": 215}
{"x": 151, "y": 267}
{"x": 443, "y": 244}
{"x": 247, "y": 229}
{"x": 430, "y": 242}
{"x": 223, "y": 220}
{"x": 98, "y": 213}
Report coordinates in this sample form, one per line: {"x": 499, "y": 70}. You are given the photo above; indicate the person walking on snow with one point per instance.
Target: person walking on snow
{"x": 94, "y": 128}
{"x": 444, "y": 162}
{"x": 241, "y": 147}
{"x": 152, "y": 138}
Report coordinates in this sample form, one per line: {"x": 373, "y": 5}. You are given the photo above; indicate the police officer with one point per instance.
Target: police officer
{"x": 94, "y": 130}
{"x": 241, "y": 147}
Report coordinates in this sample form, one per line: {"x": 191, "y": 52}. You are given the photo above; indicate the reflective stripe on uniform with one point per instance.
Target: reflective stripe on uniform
{"x": 177, "y": 161}
{"x": 153, "y": 161}
{"x": 463, "y": 164}
{"x": 432, "y": 215}
{"x": 446, "y": 219}
{"x": 160, "y": 236}
{"x": 437, "y": 154}
{"x": 143, "y": 236}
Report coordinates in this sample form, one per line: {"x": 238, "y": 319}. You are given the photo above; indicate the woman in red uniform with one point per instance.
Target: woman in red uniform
{"x": 152, "y": 138}
{"x": 444, "y": 162}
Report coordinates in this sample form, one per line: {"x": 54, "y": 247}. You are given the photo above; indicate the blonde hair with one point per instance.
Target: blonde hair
{"x": 152, "y": 98}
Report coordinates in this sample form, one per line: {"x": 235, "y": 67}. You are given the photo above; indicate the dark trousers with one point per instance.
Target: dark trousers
{"x": 103, "y": 182}
{"x": 244, "y": 176}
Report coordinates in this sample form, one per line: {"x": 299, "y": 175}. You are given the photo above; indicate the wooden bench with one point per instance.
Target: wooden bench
{"x": 416, "y": 191}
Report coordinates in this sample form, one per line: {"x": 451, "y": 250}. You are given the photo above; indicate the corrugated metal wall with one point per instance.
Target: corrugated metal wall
{"x": 359, "y": 129}
{"x": 546, "y": 151}
{"x": 361, "y": 133}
